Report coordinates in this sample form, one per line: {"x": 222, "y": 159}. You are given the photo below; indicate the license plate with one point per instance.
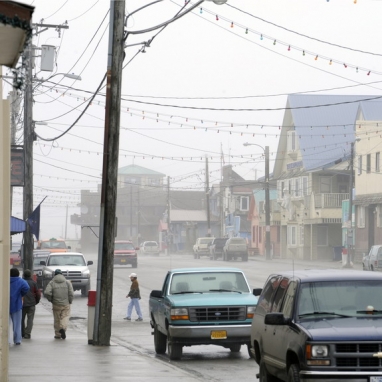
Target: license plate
{"x": 222, "y": 335}
{"x": 123, "y": 261}
{"x": 375, "y": 379}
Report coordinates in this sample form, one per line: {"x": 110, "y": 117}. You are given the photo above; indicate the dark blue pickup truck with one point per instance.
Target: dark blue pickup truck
{"x": 202, "y": 306}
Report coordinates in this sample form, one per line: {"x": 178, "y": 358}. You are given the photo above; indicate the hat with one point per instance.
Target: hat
{"x": 133, "y": 275}
{"x": 27, "y": 273}
{"x": 58, "y": 272}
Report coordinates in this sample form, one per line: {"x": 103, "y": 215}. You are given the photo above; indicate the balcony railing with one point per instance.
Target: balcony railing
{"x": 327, "y": 200}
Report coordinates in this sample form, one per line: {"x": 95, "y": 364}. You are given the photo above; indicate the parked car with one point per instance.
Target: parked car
{"x": 15, "y": 259}
{"x": 149, "y": 248}
{"x": 216, "y": 247}
{"x": 319, "y": 325}
{"x": 202, "y": 247}
{"x": 235, "y": 247}
{"x": 125, "y": 253}
{"x": 373, "y": 260}
{"x": 38, "y": 256}
{"x": 73, "y": 266}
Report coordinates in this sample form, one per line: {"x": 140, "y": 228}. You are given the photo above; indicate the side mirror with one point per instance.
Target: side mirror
{"x": 69, "y": 247}
{"x": 257, "y": 291}
{"x": 42, "y": 263}
{"x": 276, "y": 319}
{"x": 156, "y": 294}
{"x": 90, "y": 262}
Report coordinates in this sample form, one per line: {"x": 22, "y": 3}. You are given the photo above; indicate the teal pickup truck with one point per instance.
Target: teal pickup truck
{"x": 202, "y": 306}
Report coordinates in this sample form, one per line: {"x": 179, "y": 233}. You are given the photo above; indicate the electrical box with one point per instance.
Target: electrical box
{"x": 47, "y": 57}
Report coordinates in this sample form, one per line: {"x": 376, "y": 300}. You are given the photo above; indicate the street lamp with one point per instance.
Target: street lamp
{"x": 267, "y": 202}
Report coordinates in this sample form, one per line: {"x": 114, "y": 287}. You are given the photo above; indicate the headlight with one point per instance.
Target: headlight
{"x": 179, "y": 314}
{"x": 250, "y": 311}
{"x": 48, "y": 274}
{"x": 316, "y": 355}
{"x": 86, "y": 274}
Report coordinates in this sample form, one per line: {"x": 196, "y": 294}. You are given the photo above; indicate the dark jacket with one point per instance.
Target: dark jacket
{"x": 19, "y": 288}
{"x": 33, "y": 297}
{"x": 134, "y": 290}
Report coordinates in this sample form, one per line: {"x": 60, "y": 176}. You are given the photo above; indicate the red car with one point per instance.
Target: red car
{"x": 15, "y": 259}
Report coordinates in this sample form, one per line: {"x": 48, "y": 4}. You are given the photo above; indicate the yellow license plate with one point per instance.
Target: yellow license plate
{"x": 218, "y": 334}
{"x": 123, "y": 261}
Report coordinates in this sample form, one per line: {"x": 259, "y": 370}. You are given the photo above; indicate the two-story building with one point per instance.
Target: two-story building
{"x": 312, "y": 172}
{"x": 368, "y": 176}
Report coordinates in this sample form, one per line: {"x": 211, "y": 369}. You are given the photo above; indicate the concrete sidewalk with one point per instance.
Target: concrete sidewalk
{"x": 43, "y": 359}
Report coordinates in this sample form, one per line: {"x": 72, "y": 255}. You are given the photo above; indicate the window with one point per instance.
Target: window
{"x": 291, "y": 187}
{"x": 377, "y": 161}
{"x": 244, "y": 203}
{"x": 292, "y": 233}
{"x": 361, "y": 217}
{"x": 280, "y": 189}
{"x": 264, "y": 303}
{"x": 254, "y": 234}
{"x": 368, "y": 163}
{"x": 325, "y": 184}
{"x": 304, "y": 185}
{"x": 379, "y": 215}
{"x": 297, "y": 190}
{"x": 260, "y": 234}
{"x": 276, "y": 305}
{"x": 292, "y": 141}
{"x": 287, "y": 308}
{"x": 322, "y": 235}
{"x": 359, "y": 164}
{"x": 301, "y": 235}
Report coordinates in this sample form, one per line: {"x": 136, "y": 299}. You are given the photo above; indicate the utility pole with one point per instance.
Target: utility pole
{"x": 131, "y": 211}
{"x": 27, "y": 252}
{"x": 267, "y": 208}
{"x": 208, "y": 199}
{"x": 104, "y": 297}
{"x": 168, "y": 216}
{"x": 349, "y": 239}
{"x": 66, "y": 223}
{"x": 138, "y": 217}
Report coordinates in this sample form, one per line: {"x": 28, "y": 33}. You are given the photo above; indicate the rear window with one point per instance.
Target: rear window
{"x": 123, "y": 246}
{"x": 53, "y": 244}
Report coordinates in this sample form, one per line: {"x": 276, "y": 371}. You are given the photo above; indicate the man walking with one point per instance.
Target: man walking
{"x": 135, "y": 296}
{"x": 31, "y": 299}
{"x": 60, "y": 293}
{"x": 18, "y": 289}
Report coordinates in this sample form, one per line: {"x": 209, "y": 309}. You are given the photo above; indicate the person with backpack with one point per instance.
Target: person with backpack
{"x": 30, "y": 300}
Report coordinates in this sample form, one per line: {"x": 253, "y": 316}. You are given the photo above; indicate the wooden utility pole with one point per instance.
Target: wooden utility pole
{"x": 131, "y": 212}
{"x": 168, "y": 216}
{"x": 208, "y": 199}
{"x": 104, "y": 299}
{"x": 267, "y": 208}
{"x": 27, "y": 252}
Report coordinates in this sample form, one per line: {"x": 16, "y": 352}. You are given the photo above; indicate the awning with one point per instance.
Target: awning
{"x": 17, "y": 225}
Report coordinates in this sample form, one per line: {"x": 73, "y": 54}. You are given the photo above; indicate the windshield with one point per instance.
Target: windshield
{"x": 151, "y": 244}
{"x": 66, "y": 260}
{"x": 36, "y": 261}
{"x": 53, "y": 244}
{"x": 351, "y": 298}
{"x": 202, "y": 282}
{"x": 122, "y": 246}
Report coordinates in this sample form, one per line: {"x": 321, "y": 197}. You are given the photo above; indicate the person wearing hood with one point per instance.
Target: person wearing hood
{"x": 18, "y": 289}
{"x": 31, "y": 299}
{"x": 60, "y": 293}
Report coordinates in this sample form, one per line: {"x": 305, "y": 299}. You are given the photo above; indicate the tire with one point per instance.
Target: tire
{"x": 160, "y": 341}
{"x": 264, "y": 376}
{"x": 294, "y": 373}
{"x": 371, "y": 268}
{"x": 85, "y": 290}
{"x": 251, "y": 356}
{"x": 235, "y": 348}
{"x": 174, "y": 350}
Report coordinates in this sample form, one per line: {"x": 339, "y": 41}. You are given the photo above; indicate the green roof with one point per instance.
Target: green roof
{"x": 133, "y": 169}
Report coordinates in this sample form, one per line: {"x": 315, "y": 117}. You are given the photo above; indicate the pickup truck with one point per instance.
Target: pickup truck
{"x": 73, "y": 266}
{"x": 319, "y": 325}
{"x": 202, "y": 247}
{"x": 235, "y": 247}
{"x": 202, "y": 306}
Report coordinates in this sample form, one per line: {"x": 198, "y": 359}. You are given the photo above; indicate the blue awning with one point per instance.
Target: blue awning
{"x": 17, "y": 225}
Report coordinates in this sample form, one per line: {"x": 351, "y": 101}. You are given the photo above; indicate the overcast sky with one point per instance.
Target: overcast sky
{"x": 184, "y": 98}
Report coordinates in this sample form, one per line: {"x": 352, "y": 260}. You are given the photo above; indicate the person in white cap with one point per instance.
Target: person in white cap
{"x": 135, "y": 296}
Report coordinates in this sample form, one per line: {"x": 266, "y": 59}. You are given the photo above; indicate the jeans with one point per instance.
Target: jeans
{"x": 28, "y": 313}
{"x": 15, "y": 318}
{"x": 134, "y": 303}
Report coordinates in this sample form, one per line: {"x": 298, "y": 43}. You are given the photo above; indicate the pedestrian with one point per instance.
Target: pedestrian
{"x": 60, "y": 293}
{"x": 135, "y": 296}
{"x": 30, "y": 300}
{"x": 18, "y": 289}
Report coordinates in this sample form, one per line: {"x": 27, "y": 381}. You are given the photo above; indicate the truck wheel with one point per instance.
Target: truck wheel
{"x": 85, "y": 290}
{"x": 235, "y": 348}
{"x": 294, "y": 374}
{"x": 174, "y": 350}
{"x": 160, "y": 341}
{"x": 264, "y": 376}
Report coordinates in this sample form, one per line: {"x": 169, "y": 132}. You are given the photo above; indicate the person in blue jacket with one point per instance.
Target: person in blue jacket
{"x": 18, "y": 289}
